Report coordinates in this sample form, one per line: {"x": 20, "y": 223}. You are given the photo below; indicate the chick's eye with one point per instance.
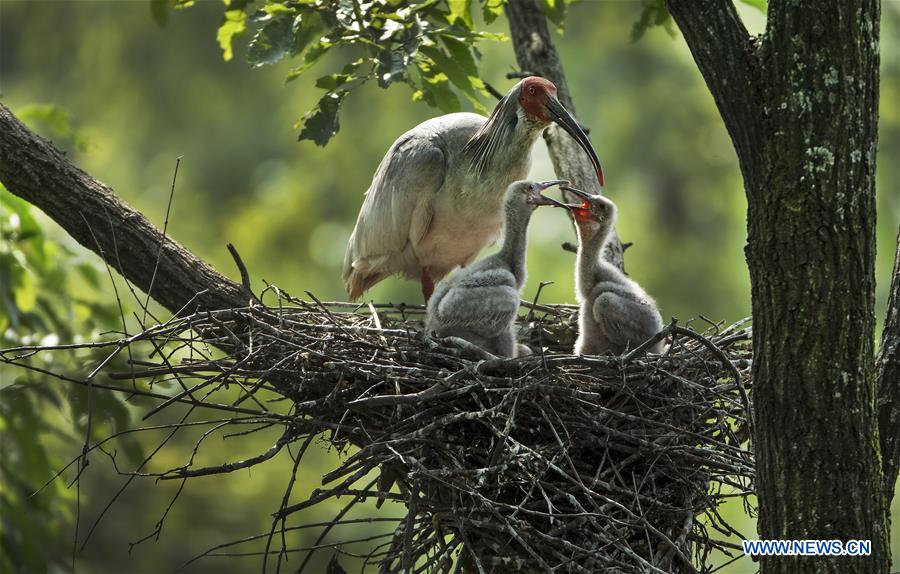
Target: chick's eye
{"x": 531, "y": 90}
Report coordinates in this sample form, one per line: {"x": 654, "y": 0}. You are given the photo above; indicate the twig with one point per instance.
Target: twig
{"x": 245, "y": 275}
{"x": 165, "y": 229}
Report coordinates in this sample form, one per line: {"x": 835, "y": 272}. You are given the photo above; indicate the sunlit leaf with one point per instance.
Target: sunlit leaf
{"x": 491, "y": 9}
{"x": 234, "y": 25}
{"x": 275, "y": 9}
{"x": 272, "y": 43}
{"x": 460, "y": 12}
{"x": 449, "y": 66}
{"x": 555, "y": 10}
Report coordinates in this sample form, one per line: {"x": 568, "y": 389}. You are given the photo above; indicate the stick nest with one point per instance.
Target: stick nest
{"x": 546, "y": 463}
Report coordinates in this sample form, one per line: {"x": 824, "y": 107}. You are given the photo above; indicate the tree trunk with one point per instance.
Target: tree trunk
{"x": 801, "y": 106}
{"x": 888, "y": 382}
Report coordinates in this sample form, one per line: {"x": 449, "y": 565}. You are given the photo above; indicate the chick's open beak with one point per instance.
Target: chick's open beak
{"x": 539, "y": 198}
{"x": 561, "y": 116}
{"x": 577, "y": 192}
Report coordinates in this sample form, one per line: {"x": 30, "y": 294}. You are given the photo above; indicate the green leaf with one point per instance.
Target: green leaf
{"x": 435, "y": 90}
{"x": 555, "y": 10}
{"x": 234, "y": 25}
{"x": 272, "y": 43}
{"x": 321, "y": 123}
{"x": 26, "y": 225}
{"x": 460, "y": 12}
{"x": 390, "y": 67}
{"x": 159, "y": 9}
{"x": 55, "y": 119}
{"x": 491, "y": 9}
{"x": 761, "y": 5}
{"x": 461, "y": 54}
{"x": 469, "y": 85}
{"x": 449, "y": 66}
{"x": 278, "y": 9}
{"x": 305, "y": 27}
{"x": 654, "y": 13}
{"x": 334, "y": 81}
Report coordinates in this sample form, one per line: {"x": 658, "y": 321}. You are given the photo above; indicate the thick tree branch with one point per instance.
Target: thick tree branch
{"x": 31, "y": 168}
{"x": 535, "y": 53}
{"x": 726, "y": 56}
{"x": 887, "y": 373}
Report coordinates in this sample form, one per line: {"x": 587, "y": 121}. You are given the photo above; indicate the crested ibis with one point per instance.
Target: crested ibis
{"x": 615, "y": 312}
{"x": 436, "y": 198}
{"x": 480, "y": 303}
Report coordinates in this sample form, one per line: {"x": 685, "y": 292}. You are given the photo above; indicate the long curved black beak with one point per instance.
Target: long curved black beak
{"x": 561, "y": 116}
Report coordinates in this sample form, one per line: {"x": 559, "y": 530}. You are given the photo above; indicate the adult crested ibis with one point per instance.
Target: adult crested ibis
{"x": 615, "y": 312}
{"x": 435, "y": 200}
{"x": 480, "y": 303}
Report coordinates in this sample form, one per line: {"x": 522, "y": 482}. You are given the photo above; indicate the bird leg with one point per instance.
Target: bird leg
{"x": 427, "y": 286}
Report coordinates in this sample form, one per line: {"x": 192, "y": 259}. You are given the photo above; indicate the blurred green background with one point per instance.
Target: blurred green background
{"x": 125, "y": 97}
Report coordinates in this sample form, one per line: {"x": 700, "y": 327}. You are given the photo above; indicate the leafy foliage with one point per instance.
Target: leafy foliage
{"x": 429, "y": 45}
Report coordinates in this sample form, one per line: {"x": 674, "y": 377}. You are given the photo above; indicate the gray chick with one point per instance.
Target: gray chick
{"x": 616, "y": 313}
{"x": 479, "y": 303}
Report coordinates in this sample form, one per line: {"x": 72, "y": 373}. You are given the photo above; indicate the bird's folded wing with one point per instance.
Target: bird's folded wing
{"x": 625, "y": 319}
{"x": 481, "y": 307}
{"x": 397, "y": 208}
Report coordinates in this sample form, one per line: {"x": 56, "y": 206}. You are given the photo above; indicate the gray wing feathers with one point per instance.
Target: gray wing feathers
{"x": 485, "y": 303}
{"x": 396, "y": 210}
{"x": 628, "y": 318}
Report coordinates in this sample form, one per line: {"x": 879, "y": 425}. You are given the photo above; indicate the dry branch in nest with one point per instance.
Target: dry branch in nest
{"x": 547, "y": 463}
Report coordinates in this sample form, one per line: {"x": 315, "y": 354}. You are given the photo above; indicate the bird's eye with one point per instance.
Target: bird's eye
{"x": 531, "y": 90}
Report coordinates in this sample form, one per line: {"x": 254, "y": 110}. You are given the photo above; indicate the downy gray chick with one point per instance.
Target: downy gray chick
{"x": 480, "y": 302}
{"x": 616, "y": 313}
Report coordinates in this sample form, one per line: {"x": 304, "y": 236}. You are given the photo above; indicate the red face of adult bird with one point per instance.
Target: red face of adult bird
{"x": 436, "y": 200}
{"x": 533, "y": 102}
{"x": 538, "y": 98}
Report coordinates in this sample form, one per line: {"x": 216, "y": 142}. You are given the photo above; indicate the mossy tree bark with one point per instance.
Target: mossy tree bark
{"x": 801, "y": 105}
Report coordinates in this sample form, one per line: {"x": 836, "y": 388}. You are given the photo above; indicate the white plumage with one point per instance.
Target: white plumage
{"x": 435, "y": 200}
